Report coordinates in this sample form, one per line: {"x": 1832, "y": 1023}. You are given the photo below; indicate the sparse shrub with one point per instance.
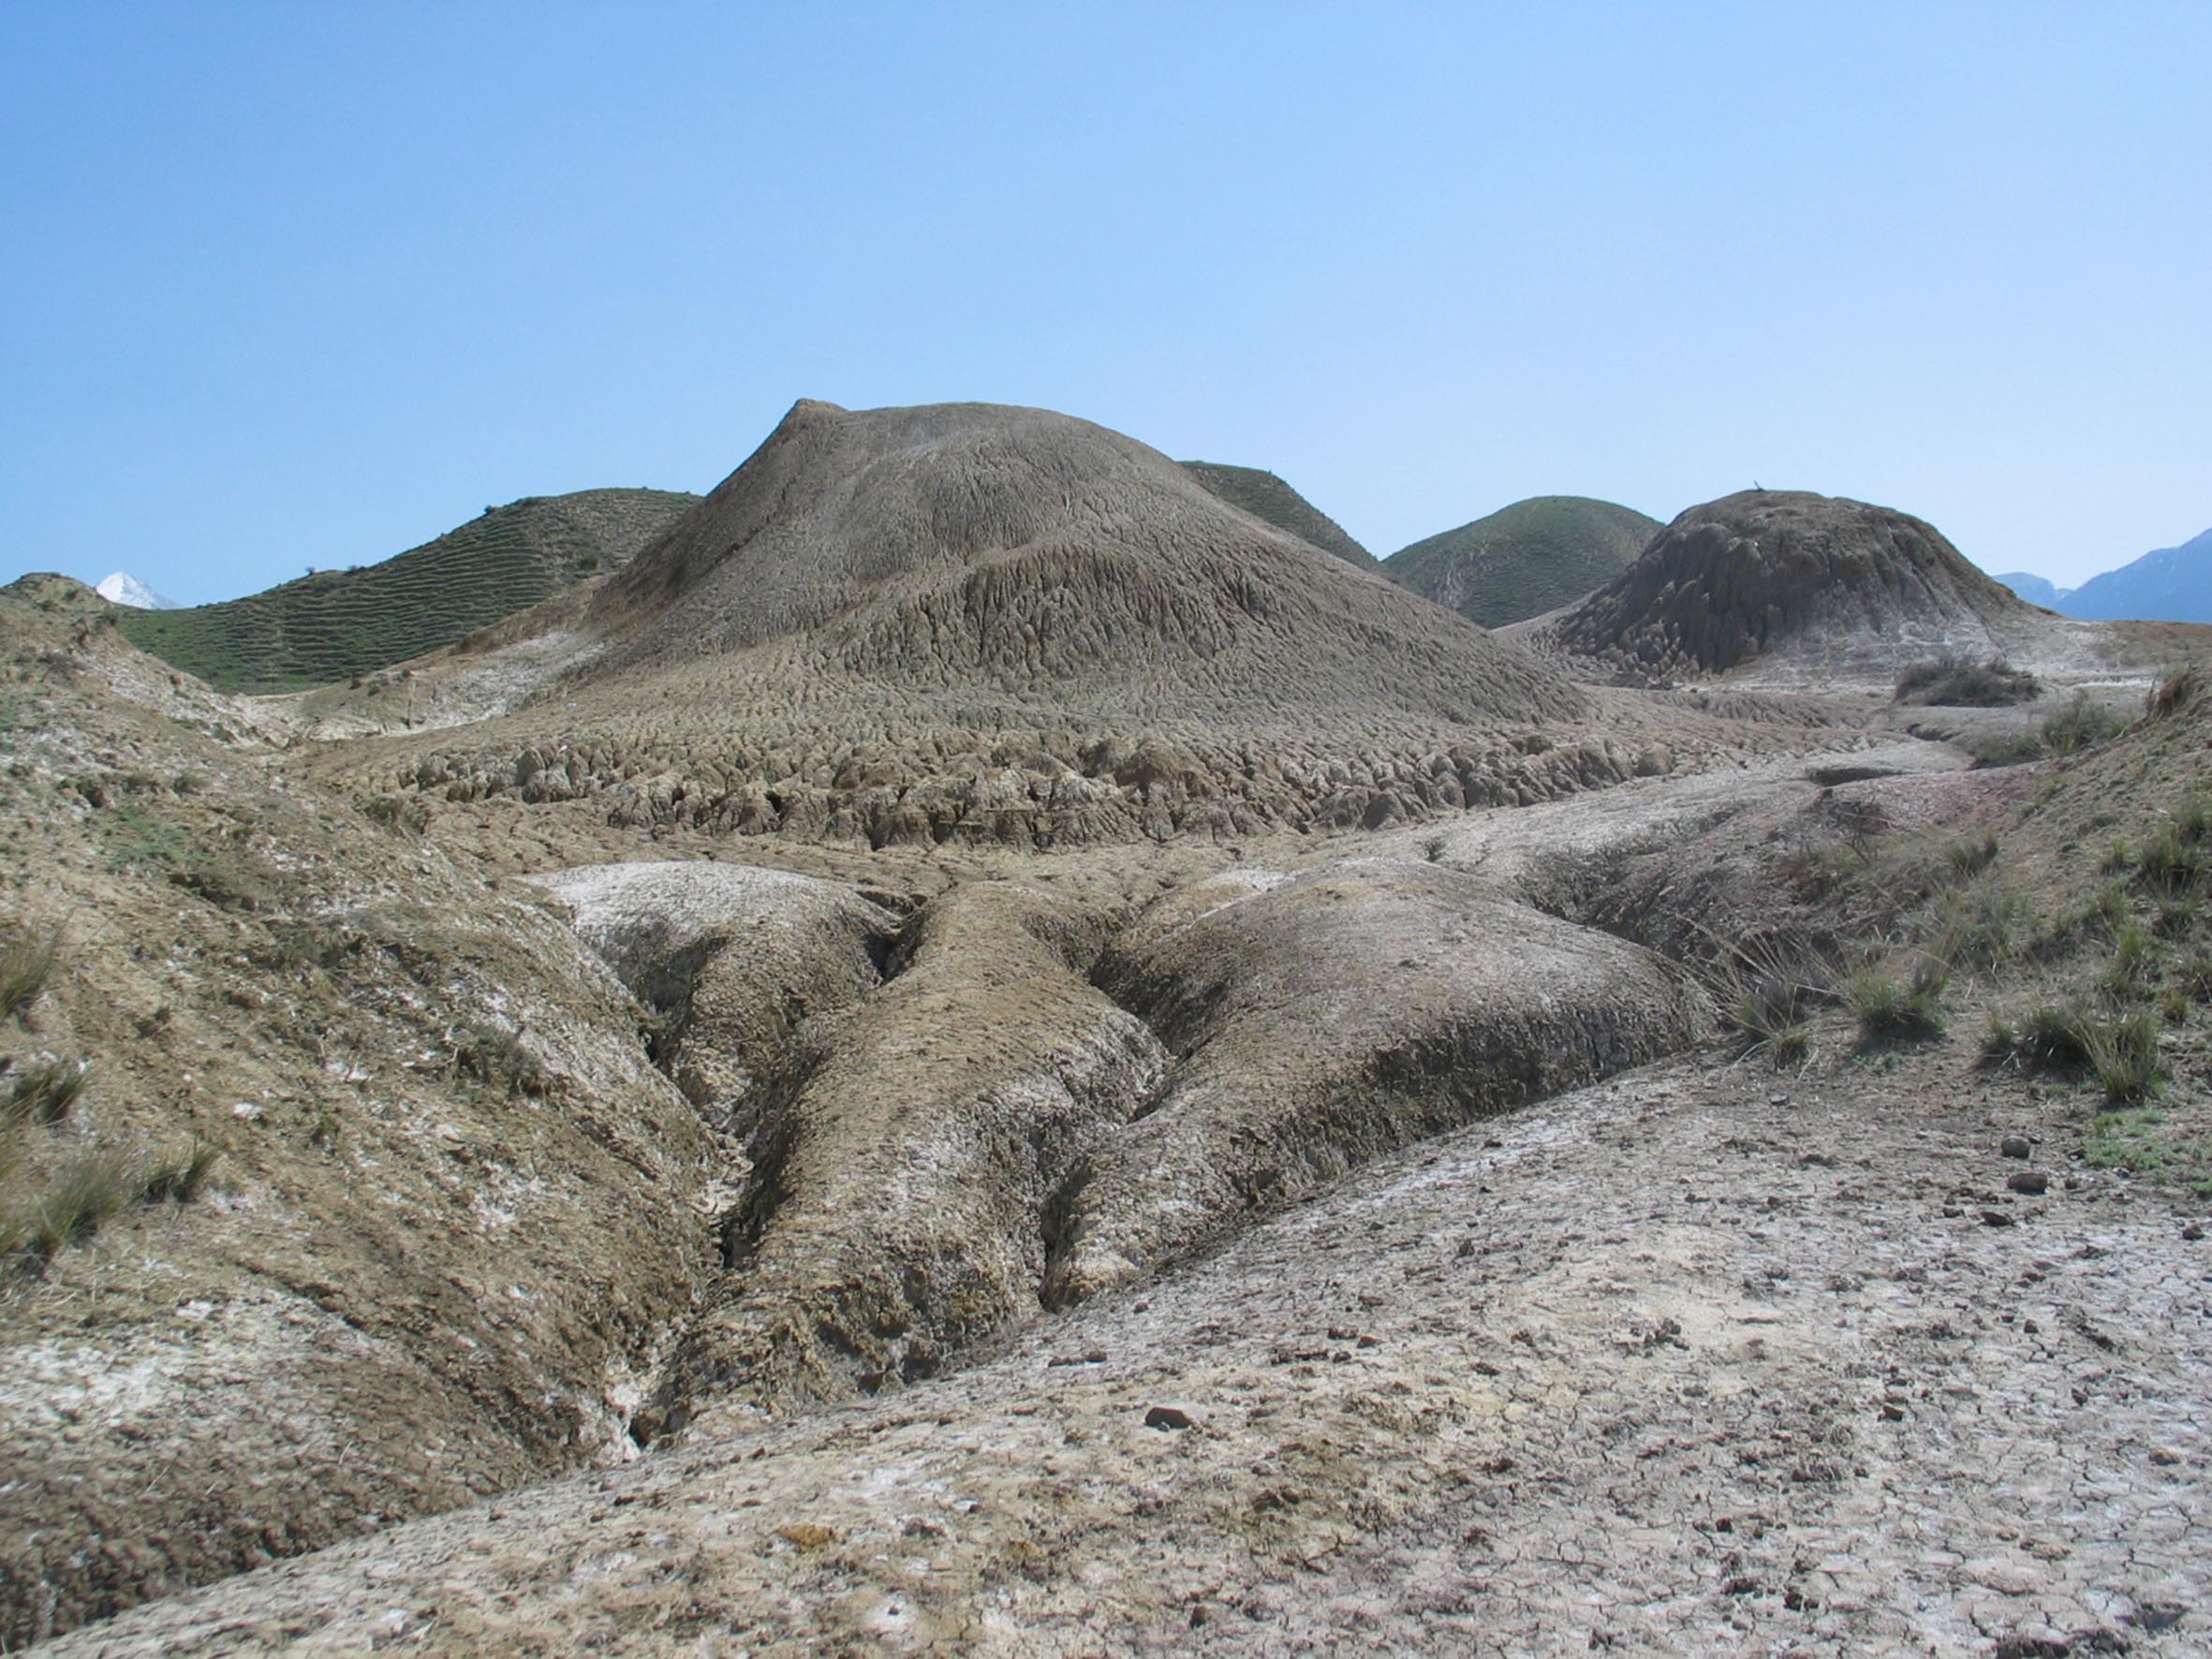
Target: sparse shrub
{"x": 25, "y": 964}
{"x": 83, "y": 1195}
{"x": 2016, "y": 748}
{"x": 2176, "y": 692}
{"x": 2119, "y": 860}
{"x": 2194, "y": 974}
{"x": 1958, "y": 683}
{"x": 1980, "y": 927}
{"x": 2132, "y": 950}
{"x": 235, "y": 881}
{"x": 1892, "y": 1011}
{"x": 2124, "y": 1055}
{"x": 1968, "y": 858}
{"x": 1765, "y": 992}
{"x": 499, "y": 1059}
{"x": 2120, "y": 1049}
{"x": 43, "y": 1092}
{"x": 178, "y": 1179}
{"x": 2079, "y": 725}
{"x": 2174, "y": 862}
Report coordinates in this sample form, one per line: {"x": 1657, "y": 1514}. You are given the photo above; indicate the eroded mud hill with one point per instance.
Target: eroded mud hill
{"x": 904, "y": 626}
{"x": 1773, "y": 571}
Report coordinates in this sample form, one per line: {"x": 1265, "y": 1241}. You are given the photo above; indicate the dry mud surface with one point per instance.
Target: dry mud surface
{"x": 1691, "y": 1361}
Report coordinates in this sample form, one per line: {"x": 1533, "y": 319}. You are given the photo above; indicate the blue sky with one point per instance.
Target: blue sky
{"x": 290, "y": 285}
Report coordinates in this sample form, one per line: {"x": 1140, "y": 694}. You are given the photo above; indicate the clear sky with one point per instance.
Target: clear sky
{"x": 299, "y": 284}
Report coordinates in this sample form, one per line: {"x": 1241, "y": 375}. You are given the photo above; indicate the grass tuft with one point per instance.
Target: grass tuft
{"x": 2079, "y": 725}
{"x": 83, "y": 1197}
{"x": 43, "y": 1092}
{"x": 25, "y": 964}
{"x": 2177, "y": 692}
{"x": 178, "y": 1179}
{"x": 1889, "y": 1011}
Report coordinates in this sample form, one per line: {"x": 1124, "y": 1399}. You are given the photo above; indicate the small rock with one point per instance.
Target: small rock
{"x": 2016, "y": 1146}
{"x": 2192, "y": 1232}
{"x": 2030, "y": 1181}
{"x": 1169, "y": 1416}
{"x": 1892, "y": 1411}
{"x": 1998, "y": 1218}
{"x": 807, "y": 1535}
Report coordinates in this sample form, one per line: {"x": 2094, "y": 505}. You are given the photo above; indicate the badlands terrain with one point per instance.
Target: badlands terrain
{"x": 981, "y": 1041}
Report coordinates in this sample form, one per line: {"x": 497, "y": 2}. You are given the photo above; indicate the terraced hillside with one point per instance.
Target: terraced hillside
{"x": 1267, "y": 498}
{"x": 338, "y": 623}
{"x": 1526, "y": 559}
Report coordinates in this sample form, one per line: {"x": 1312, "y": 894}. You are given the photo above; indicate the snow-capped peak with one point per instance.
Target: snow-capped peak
{"x": 125, "y": 589}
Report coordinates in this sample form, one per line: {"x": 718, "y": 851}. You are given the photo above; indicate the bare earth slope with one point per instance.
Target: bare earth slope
{"x": 452, "y": 1203}
{"x": 1524, "y": 560}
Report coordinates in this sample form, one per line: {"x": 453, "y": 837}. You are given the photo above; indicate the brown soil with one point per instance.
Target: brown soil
{"x": 1139, "y": 1209}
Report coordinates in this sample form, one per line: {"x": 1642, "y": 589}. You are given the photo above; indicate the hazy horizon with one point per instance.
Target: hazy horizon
{"x": 297, "y": 287}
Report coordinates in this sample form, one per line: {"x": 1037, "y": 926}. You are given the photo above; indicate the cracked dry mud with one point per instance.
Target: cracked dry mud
{"x": 1689, "y": 1361}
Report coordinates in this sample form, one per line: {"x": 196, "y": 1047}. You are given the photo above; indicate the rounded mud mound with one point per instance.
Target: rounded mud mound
{"x": 1768, "y": 571}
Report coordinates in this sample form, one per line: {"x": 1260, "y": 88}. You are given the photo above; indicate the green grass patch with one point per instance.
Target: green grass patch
{"x": 2144, "y": 1142}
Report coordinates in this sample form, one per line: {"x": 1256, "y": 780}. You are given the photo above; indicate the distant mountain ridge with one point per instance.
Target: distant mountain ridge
{"x": 2035, "y": 590}
{"x": 2171, "y": 584}
{"x": 333, "y": 624}
{"x": 1526, "y": 559}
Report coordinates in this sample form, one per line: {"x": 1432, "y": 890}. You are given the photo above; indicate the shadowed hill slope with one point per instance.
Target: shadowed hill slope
{"x": 337, "y": 623}
{"x": 1789, "y": 572}
{"x": 1266, "y": 497}
{"x": 1524, "y": 560}
{"x": 904, "y": 626}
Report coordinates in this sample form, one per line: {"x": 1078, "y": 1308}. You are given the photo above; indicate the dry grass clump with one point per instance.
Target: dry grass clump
{"x": 2118, "y": 1047}
{"x": 25, "y": 964}
{"x": 2078, "y": 726}
{"x": 1956, "y": 682}
{"x": 1891, "y": 1010}
{"x": 2178, "y": 691}
{"x": 1767, "y": 993}
{"x": 43, "y": 1092}
{"x": 499, "y": 1059}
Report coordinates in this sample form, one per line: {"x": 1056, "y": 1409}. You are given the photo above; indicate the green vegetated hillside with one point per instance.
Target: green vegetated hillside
{"x": 1526, "y": 559}
{"x": 1267, "y": 498}
{"x": 337, "y": 623}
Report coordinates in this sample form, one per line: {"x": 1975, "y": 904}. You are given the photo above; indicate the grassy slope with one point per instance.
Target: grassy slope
{"x": 1524, "y": 559}
{"x": 335, "y": 624}
{"x": 1270, "y": 500}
